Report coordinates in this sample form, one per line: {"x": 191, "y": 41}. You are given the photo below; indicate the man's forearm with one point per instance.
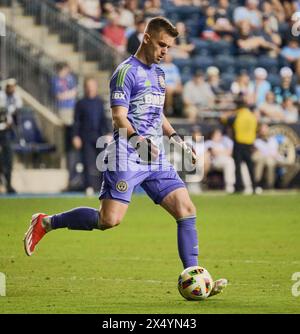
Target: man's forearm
{"x": 123, "y": 123}
{"x": 168, "y": 129}
{"x": 120, "y": 121}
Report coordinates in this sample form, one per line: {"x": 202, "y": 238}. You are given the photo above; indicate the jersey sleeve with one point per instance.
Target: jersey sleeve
{"x": 121, "y": 85}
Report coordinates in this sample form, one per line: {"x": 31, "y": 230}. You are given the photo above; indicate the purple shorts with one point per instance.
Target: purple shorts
{"x": 157, "y": 184}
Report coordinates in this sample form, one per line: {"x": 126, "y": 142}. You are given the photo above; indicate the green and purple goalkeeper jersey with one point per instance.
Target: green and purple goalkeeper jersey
{"x": 141, "y": 89}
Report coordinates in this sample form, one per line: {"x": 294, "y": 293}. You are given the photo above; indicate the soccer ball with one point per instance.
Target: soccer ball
{"x": 195, "y": 283}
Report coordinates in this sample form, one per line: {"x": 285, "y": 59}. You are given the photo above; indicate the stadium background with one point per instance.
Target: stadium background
{"x": 41, "y": 34}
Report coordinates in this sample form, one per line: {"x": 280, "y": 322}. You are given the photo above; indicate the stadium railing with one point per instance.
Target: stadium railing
{"x": 26, "y": 62}
{"x": 32, "y": 68}
{"x": 87, "y": 41}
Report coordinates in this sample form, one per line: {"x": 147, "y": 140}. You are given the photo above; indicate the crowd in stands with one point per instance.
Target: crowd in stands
{"x": 223, "y": 47}
{"x": 226, "y": 49}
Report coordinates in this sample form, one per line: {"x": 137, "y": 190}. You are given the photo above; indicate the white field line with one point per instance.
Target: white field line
{"x": 136, "y": 258}
{"x": 119, "y": 280}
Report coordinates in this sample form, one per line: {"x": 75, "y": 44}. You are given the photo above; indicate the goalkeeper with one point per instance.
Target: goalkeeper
{"x": 137, "y": 93}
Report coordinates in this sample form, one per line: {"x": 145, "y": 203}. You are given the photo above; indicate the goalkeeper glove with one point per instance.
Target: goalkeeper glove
{"x": 189, "y": 151}
{"x": 147, "y": 151}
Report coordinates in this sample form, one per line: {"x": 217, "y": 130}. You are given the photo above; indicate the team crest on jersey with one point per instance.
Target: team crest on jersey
{"x": 161, "y": 81}
{"x": 122, "y": 186}
{"x": 147, "y": 83}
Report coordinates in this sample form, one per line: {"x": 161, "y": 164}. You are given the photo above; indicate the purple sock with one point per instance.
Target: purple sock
{"x": 187, "y": 241}
{"x": 77, "y": 219}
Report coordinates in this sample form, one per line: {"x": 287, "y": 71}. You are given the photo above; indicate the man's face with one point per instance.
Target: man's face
{"x": 10, "y": 89}
{"x": 91, "y": 88}
{"x": 157, "y": 46}
{"x": 264, "y": 130}
{"x": 64, "y": 72}
{"x": 198, "y": 79}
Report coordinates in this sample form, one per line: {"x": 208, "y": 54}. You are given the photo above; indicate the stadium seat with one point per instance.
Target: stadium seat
{"x": 246, "y": 62}
{"x": 225, "y": 63}
{"x": 227, "y": 79}
{"x": 202, "y": 63}
{"x": 192, "y": 28}
{"x": 184, "y": 65}
{"x": 274, "y": 79}
{"x": 186, "y": 75}
{"x": 184, "y": 13}
{"x": 202, "y": 47}
{"x": 221, "y": 47}
{"x": 268, "y": 63}
{"x": 29, "y": 142}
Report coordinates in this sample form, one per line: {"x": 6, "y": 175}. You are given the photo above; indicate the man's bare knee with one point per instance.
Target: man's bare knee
{"x": 185, "y": 210}
{"x": 190, "y": 209}
{"x": 109, "y": 221}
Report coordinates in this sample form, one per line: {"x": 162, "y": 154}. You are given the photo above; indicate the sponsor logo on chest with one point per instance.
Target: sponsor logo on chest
{"x": 154, "y": 99}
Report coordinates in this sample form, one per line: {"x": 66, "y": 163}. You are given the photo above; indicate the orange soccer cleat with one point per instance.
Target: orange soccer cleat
{"x": 35, "y": 233}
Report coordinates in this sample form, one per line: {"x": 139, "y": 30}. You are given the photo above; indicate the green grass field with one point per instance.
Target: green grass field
{"x": 254, "y": 241}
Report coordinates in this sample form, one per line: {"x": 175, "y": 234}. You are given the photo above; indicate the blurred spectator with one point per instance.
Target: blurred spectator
{"x": 153, "y": 8}
{"x": 197, "y": 95}
{"x": 290, "y": 110}
{"x": 199, "y": 147}
{"x": 89, "y": 11}
{"x": 198, "y": 137}
{"x": 270, "y": 36}
{"x": 277, "y": 10}
{"x": 10, "y": 98}
{"x": 250, "y": 44}
{"x": 213, "y": 79}
{"x": 173, "y": 83}
{"x": 183, "y": 46}
{"x": 179, "y": 3}
{"x": 270, "y": 111}
{"x": 266, "y": 156}
{"x": 223, "y": 20}
{"x": 244, "y": 126}
{"x": 114, "y": 34}
{"x": 286, "y": 88}
{"x": 64, "y": 87}
{"x": 223, "y": 99}
{"x": 136, "y": 37}
{"x": 260, "y": 85}
{"x": 127, "y": 10}
{"x": 298, "y": 90}
{"x": 249, "y": 12}
{"x": 133, "y": 6}
{"x": 209, "y": 29}
{"x": 291, "y": 53}
{"x": 68, "y": 6}
{"x": 269, "y": 11}
{"x": 289, "y": 7}
{"x": 90, "y": 124}
{"x": 242, "y": 85}
{"x": 220, "y": 148}
{"x": 108, "y": 8}
{"x": 9, "y": 104}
